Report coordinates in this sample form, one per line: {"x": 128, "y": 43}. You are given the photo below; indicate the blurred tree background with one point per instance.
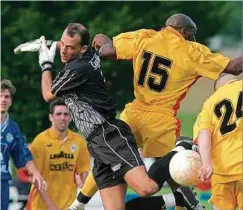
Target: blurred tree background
{"x": 27, "y": 20}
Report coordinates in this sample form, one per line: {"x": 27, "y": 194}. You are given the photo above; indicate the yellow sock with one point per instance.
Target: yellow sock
{"x": 179, "y": 208}
{"x": 90, "y": 187}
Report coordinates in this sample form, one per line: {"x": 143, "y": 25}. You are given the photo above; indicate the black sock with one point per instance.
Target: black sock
{"x": 148, "y": 203}
{"x": 179, "y": 199}
{"x": 82, "y": 198}
{"x": 159, "y": 170}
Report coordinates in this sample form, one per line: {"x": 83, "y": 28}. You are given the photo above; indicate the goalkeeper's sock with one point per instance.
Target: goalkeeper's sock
{"x": 90, "y": 187}
{"x": 179, "y": 198}
{"x": 81, "y": 198}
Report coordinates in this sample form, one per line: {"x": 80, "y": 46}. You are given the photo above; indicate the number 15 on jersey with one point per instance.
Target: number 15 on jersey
{"x": 155, "y": 66}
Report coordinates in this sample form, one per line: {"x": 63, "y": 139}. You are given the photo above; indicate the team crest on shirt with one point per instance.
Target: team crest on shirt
{"x": 9, "y": 137}
{"x": 73, "y": 148}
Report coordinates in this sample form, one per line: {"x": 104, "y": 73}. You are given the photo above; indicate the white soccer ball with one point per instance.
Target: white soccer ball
{"x": 184, "y": 167}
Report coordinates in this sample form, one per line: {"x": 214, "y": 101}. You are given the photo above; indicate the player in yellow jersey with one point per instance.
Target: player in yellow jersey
{"x": 59, "y": 154}
{"x": 218, "y": 130}
{"x": 166, "y": 64}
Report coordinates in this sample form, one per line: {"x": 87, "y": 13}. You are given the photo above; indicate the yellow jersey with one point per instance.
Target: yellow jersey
{"x": 58, "y": 161}
{"x": 222, "y": 115}
{"x": 165, "y": 66}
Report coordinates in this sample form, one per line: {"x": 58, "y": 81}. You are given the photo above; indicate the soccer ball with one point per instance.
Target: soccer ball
{"x": 184, "y": 167}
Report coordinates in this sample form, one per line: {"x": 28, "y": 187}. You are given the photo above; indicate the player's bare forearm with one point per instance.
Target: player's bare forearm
{"x": 234, "y": 66}
{"x": 46, "y": 82}
{"x": 30, "y": 167}
{"x": 204, "y": 145}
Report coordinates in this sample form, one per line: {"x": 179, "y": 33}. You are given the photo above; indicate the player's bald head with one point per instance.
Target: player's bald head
{"x": 181, "y": 21}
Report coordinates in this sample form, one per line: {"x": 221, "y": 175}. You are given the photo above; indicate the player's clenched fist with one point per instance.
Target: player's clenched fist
{"x": 100, "y": 40}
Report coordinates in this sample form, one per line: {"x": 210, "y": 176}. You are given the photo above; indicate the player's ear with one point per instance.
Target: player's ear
{"x": 184, "y": 32}
{"x": 83, "y": 49}
{"x": 11, "y": 101}
{"x": 50, "y": 117}
{"x": 70, "y": 119}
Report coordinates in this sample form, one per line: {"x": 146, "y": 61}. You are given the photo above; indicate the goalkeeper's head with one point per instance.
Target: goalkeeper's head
{"x": 184, "y": 25}
{"x": 74, "y": 41}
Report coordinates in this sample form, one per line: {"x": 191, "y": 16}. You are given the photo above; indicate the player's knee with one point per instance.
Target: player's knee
{"x": 144, "y": 192}
{"x": 147, "y": 190}
{"x": 138, "y": 179}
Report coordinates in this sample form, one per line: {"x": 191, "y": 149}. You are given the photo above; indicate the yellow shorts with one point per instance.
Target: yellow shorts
{"x": 154, "y": 131}
{"x": 227, "y": 196}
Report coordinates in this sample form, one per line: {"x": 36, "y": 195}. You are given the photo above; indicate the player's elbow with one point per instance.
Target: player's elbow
{"x": 48, "y": 98}
{"x": 234, "y": 66}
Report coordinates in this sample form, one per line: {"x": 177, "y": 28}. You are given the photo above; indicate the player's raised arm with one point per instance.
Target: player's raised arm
{"x": 234, "y": 66}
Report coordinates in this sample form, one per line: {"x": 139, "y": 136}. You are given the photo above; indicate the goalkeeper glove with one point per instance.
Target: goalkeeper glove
{"x": 46, "y": 55}
{"x": 31, "y": 46}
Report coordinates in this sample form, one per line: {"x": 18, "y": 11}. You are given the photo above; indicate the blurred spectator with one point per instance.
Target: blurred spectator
{"x": 13, "y": 145}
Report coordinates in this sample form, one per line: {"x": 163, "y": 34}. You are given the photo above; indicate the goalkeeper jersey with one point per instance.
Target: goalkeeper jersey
{"x": 165, "y": 66}
{"x": 57, "y": 162}
{"x": 222, "y": 115}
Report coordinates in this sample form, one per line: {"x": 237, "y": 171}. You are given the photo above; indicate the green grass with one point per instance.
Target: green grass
{"x": 187, "y": 122}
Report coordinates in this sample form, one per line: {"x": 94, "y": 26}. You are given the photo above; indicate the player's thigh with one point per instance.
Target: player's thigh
{"x": 131, "y": 116}
{"x": 223, "y": 195}
{"x": 113, "y": 198}
{"x": 159, "y": 134}
{"x": 115, "y": 152}
{"x": 239, "y": 193}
